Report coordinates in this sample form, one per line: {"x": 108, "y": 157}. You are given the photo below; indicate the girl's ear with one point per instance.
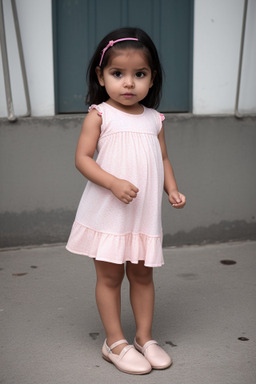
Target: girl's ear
{"x": 100, "y": 76}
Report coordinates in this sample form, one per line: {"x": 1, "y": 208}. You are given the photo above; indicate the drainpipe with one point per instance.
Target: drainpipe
{"x": 237, "y": 114}
{"x": 8, "y": 92}
{"x": 7, "y": 83}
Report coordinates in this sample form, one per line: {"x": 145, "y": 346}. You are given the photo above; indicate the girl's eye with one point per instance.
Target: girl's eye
{"x": 140, "y": 74}
{"x": 117, "y": 74}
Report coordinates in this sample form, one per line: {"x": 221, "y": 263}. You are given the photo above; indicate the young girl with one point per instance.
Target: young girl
{"x": 118, "y": 220}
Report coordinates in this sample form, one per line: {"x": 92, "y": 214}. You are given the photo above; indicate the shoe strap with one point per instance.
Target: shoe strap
{"x": 117, "y": 343}
{"x": 125, "y": 350}
{"x": 147, "y": 344}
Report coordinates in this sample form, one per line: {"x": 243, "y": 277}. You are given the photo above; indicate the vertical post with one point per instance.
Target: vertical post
{"x": 237, "y": 114}
{"x": 8, "y": 92}
{"x": 22, "y": 61}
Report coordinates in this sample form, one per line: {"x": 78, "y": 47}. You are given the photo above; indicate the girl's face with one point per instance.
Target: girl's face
{"x": 127, "y": 79}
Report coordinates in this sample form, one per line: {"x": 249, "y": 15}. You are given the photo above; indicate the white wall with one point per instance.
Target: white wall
{"x": 217, "y": 36}
{"x": 248, "y": 82}
{"x": 35, "y": 19}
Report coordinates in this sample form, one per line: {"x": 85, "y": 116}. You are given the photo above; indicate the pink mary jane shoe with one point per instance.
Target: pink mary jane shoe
{"x": 156, "y": 356}
{"x": 129, "y": 360}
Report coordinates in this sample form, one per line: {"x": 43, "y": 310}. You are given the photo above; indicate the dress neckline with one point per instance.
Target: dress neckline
{"x": 126, "y": 113}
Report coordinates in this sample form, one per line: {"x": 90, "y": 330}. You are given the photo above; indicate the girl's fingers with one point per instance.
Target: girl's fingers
{"x": 124, "y": 190}
{"x": 177, "y": 200}
{"x": 133, "y": 194}
{"x": 179, "y": 205}
{"x": 129, "y": 197}
{"x": 126, "y": 201}
{"x": 134, "y": 188}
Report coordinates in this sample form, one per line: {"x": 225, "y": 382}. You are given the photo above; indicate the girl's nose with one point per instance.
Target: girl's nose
{"x": 129, "y": 82}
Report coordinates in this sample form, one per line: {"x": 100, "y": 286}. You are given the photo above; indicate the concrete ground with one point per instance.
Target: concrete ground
{"x": 205, "y": 317}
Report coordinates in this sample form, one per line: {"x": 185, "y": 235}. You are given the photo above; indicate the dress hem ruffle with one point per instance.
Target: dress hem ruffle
{"x": 132, "y": 247}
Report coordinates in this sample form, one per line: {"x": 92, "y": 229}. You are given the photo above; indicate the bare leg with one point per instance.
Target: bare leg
{"x": 142, "y": 294}
{"x": 108, "y": 298}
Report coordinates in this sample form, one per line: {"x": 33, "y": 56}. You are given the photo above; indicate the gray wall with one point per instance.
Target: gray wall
{"x": 213, "y": 157}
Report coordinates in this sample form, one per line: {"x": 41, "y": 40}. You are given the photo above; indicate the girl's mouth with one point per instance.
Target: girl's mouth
{"x": 128, "y": 95}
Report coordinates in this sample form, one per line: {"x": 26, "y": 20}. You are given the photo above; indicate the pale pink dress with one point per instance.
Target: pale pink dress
{"x": 106, "y": 228}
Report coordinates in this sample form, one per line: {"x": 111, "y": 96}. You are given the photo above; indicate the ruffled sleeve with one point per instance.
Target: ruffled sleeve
{"x": 97, "y": 107}
{"x": 162, "y": 117}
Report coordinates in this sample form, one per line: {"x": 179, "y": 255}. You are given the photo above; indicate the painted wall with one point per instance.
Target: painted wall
{"x": 217, "y": 36}
{"x": 217, "y": 31}
{"x": 35, "y": 19}
{"x": 213, "y": 158}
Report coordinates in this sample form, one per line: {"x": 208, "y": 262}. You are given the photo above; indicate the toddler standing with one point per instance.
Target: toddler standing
{"x": 118, "y": 221}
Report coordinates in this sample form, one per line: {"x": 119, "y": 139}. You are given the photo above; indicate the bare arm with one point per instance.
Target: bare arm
{"x": 177, "y": 199}
{"x": 86, "y": 146}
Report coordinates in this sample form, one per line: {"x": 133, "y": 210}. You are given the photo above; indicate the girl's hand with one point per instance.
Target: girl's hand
{"x": 177, "y": 199}
{"x": 124, "y": 190}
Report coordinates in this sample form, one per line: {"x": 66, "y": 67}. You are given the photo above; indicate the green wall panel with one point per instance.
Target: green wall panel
{"x": 79, "y": 25}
